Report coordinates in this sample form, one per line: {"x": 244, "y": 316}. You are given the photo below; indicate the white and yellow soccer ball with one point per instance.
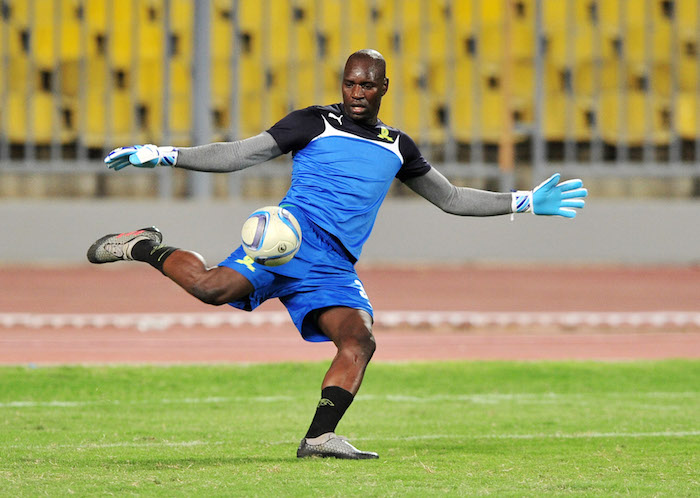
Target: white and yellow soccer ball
{"x": 271, "y": 236}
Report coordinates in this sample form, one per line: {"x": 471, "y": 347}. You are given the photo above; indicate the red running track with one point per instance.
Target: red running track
{"x": 136, "y": 288}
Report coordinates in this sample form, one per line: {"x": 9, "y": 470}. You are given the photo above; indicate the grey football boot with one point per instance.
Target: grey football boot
{"x": 118, "y": 246}
{"x": 333, "y": 446}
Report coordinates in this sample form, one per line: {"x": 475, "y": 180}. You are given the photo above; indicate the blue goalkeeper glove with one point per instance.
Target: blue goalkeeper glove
{"x": 551, "y": 198}
{"x": 141, "y": 156}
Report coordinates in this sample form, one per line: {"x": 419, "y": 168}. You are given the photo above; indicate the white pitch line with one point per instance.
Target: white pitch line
{"x": 581, "y": 435}
{"x": 389, "y": 319}
{"x": 184, "y": 401}
{"x": 121, "y": 444}
{"x": 424, "y": 437}
{"x": 489, "y": 398}
{"x": 475, "y": 437}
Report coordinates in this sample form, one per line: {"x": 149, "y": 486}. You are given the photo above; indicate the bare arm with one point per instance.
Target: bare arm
{"x": 224, "y": 157}
{"x": 462, "y": 201}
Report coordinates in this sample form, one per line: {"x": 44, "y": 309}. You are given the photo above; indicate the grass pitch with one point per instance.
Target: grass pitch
{"x": 458, "y": 428}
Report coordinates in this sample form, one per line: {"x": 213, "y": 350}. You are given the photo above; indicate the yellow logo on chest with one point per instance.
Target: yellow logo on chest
{"x": 384, "y": 134}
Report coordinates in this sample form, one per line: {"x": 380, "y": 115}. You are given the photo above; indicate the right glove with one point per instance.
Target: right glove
{"x": 141, "y": 156}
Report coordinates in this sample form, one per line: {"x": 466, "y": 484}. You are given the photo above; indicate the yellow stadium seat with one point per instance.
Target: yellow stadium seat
{"x": 687, "y": 114}
{"x": 462, "y": 117}
{"x": 410, "y": 113}
{"x": 71, "y": 42}
{"x": 181, "y": 23}
{"x": 593, "y": 77}
{"x": 107, "y": 120}
{"x": 410, "y": 12}
{"x": 570, "y": 48}
{"x": 20, "y": 71}
{"x": 220, "y": 78}
{"x": 523, "y": 84}
{"x": 523, "y": 40}
{"x": 32, "y": 117}
{"x": 554, "y": 117}
{"x": 490, "y": 116}
{"x": 489, "y": 42}
{"x": 609, "y": 13}
{"x": 42, "y": 32}
{"x": 634, "y": 118}
{"x": 68, "y": 119}
{"x": 17, "y": 115}
{"x": 437, "y": 27}
{"x": 221, "y": 30}
{"x": 463, "y": 15}
{"x": 180, "y": 122}
{"x": 42, "y": 107}
{"x": 180, "y": 80}
{"x": 662, "y": 79}
{"x": 302, "y": 31}
{"x": 566, "y": 117}
{"x": 150, "y": 31}
{"x": 689, "y": 73}
{"x": 150, "y": 81}
{"x": 278, "y": 28}
{"x": 250, "y": 18}
{"x": 642, "y": 44}
{"x": 122, "y": 40}
{"x": 554, "y": 15}
{"x": 70, "y": 78}
{"x": 491, "y": 12}
{"x": 687, "y": 13}
{"x": 440, "y": 79}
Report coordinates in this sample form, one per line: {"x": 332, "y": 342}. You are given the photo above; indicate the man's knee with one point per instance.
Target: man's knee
{"x": 350, "y": 329}
{"x": 353, "y": 336}
{"x": 368, "y": 345}
{"x": 208, "y": 294}
{"x": 220, "y": 286}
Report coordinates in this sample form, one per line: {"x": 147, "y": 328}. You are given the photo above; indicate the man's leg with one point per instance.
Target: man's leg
{"x": 218, "y": 285}
{"x": 351, "y": 332}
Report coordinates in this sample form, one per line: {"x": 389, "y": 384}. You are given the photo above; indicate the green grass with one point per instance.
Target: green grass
{"x": 462, "y": 428}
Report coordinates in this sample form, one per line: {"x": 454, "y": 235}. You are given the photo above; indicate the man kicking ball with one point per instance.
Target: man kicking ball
{"x": 344, "y": 161}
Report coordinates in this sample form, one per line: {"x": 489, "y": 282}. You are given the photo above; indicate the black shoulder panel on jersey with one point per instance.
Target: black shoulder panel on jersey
{"x": 414, "y": 164}
{"x": 294, "y": 131}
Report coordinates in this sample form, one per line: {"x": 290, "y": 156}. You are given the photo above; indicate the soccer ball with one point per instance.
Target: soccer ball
{"x": 271, "y": 236}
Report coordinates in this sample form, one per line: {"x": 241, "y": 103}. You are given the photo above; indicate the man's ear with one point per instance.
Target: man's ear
{"x": 385, "y": 87}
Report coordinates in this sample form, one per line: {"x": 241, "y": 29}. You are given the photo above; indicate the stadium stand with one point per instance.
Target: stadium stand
{"x": 90, "y": 74}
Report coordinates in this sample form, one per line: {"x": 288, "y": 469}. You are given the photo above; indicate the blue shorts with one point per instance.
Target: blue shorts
{"x": 322, "y": 274}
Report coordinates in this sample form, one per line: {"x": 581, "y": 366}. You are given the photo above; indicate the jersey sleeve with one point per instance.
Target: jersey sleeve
{"x": 414, "y": 164}
{"x": 296, "y": 129}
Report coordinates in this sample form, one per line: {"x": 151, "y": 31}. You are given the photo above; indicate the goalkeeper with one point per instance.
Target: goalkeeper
{"x": 344, "y": 161}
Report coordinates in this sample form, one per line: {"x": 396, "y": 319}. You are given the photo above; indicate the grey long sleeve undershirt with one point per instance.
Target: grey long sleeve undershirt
{"x": 462, "y": 201}
{"x": 226, "y": 157}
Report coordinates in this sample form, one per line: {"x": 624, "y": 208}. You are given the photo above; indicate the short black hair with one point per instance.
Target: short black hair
{"x": 369, "y": 53}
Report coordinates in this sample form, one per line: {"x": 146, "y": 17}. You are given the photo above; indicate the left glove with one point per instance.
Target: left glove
{"x": 551, "y": 198}
{"x": 141, "y": 156}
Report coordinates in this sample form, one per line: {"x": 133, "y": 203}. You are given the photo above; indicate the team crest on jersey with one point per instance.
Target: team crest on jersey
{"x": 384, "y": 134}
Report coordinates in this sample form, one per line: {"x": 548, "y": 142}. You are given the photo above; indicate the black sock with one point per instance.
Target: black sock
{"x": 152, "y": 253}
{"x": 334, "y": 401}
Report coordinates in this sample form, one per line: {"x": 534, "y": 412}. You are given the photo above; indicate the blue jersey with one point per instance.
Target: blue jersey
{"x": 342, "y": 170}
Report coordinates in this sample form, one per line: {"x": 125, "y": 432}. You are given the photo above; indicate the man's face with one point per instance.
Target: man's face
{"x": 364, "y": 85}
